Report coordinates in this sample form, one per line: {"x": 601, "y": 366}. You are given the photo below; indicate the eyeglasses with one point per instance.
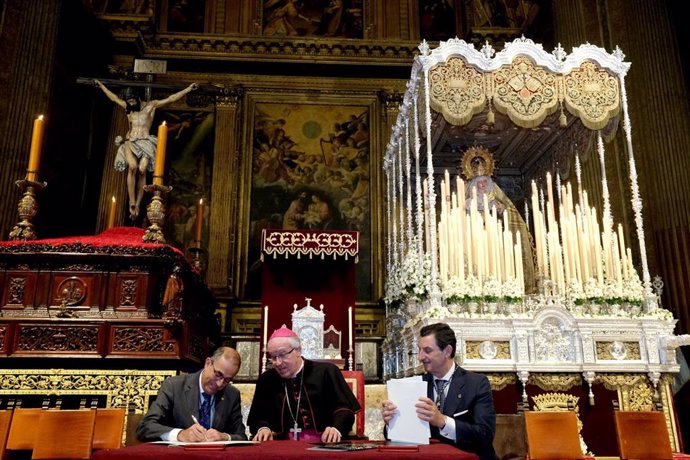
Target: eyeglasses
{"x": 280, "y": 356}
{"x": 218, "y": 375}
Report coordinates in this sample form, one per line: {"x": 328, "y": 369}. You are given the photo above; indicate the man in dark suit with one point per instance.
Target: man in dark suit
{"x": 198, "y": 407}
{"x": 458, "y": 405}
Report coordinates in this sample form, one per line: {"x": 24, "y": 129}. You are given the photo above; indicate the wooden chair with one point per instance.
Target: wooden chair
{"x": 64, "y": 434}
{"x": 109, "y": 428}
{"x": 355, "y": 379}
{"x": 23, "y": 429}
{"x": 553, "y": 435}
{"x": 642, "y": 435}
{"x": 5, "y": 421}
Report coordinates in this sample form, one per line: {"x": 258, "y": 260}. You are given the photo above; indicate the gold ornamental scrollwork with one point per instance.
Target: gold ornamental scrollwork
{"x": 556, "y": 401}
{"x": 614, "y": 382}
{"x": 525, "y": 92}
{"x": 128, "y": 388}
{"x": 555, "y": 382}
{"x": 500, "y": 381}
{"x": 592, "y": 94}
{"x": 457, "y": 91}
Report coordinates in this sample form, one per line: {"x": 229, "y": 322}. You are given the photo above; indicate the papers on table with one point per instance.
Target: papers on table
{"x": 205, "y": 443}
{"x": 405, "y": 426}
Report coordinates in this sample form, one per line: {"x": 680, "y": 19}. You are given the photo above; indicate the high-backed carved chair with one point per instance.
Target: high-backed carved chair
{"x": 642, "y": 435}
{"x": 23, "y": 429}
{"x": 355, "y": 379}
{"x": 64, "y": 434}
{"x": 5, "y": 421}
{"x": 109, "y": 427}
{"x": 552, "y": 435}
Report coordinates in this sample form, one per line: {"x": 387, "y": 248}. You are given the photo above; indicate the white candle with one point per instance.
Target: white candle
{"x": 349, "y": 322}
{"x": 265, "y": 325}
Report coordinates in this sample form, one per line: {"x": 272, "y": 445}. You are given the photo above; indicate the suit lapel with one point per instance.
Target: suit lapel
{"x": 191, "y": 394}
{"x": 221, "y": 408}
{"x": 455, "y": 389}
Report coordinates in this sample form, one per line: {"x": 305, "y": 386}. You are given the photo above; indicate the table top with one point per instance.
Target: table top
{"x": 276, "y": 450}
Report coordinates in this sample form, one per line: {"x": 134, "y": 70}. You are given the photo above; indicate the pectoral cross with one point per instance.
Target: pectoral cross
{"x": 295, "y": 430}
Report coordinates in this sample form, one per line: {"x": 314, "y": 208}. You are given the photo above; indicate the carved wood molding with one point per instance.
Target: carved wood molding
{"x": 301, "y": 50}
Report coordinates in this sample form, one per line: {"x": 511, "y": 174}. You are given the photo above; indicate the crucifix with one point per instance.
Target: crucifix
{"x": 295, "y": 431}
{"x": 137, "y": 151}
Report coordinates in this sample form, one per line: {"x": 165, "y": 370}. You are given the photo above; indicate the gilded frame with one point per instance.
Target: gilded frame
{"x": 255, "y": 100}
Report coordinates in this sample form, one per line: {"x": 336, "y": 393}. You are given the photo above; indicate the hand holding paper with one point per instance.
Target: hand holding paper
{"x": 404, "y": 425}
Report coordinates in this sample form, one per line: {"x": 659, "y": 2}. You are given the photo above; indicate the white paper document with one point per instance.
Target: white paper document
{"x": 204, "y": 443}
{"x": 405, "y": 426}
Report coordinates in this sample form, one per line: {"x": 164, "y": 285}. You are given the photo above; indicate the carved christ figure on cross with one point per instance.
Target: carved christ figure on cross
{"x": 137, "y": 150}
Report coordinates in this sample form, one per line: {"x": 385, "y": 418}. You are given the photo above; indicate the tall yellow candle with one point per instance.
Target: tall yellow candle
{"x": 35, "y": 152}
{"x": 111, "y": 214}
{"x": 199, "y": 219}
{"x": 159, "y": 166}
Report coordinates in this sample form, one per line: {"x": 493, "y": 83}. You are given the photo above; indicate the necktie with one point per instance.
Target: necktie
{"x": 205, "y": 411}
{"x": 440, "y": 393}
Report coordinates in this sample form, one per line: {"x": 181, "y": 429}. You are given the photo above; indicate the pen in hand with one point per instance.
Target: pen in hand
{"x": 197, "y": 422}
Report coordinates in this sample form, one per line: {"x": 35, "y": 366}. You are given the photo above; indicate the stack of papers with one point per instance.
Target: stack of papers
{"x": 405, "y": 426}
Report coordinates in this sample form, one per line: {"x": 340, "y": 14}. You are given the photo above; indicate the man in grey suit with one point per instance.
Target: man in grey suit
{"x": 458, "y": 404}
{"x": 198, "y": 407}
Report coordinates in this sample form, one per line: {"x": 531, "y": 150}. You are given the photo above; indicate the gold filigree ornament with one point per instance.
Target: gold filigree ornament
{"x": 639, "y": 398}
{"x": 555, "y": 401}
{"x": 525, "y": 92}
{"x": 477, "y": 161}
{"x": 457, "y": 91}
{"x": 593, "y": 94}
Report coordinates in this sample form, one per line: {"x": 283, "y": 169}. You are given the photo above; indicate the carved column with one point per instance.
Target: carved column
{"x": 221, "y": 273}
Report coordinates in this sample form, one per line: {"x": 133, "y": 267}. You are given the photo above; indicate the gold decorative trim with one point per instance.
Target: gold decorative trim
{"x": 500, "y": 381}
{"x": 130, "y": 389}
{"x": 592, "y": 94}
{"x": 556, "y": 401}
{"x": 628, "y": 351}
{"x": 614, "y": 382}
{"x": 555, "y": 382}
{"x": 473, "y": 350}
{"x": 457, "y": 91}
{"x": 525, "y": 92}
{"x": 186, "y": 46}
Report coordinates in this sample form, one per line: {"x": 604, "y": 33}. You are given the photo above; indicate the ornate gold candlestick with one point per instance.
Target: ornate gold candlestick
{"x": 155, "y": 212}
{"x": 24, "y": 229}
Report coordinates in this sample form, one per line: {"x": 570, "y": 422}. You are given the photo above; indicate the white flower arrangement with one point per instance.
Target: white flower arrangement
{"x": 457, "y": 290}
{"x": 472, "y": 289}
{"x": 658, "y": 313}
{"x": 491, "y": 290}
{"x": 576, "y": 292}
{"x": 416, "y": 275}
{"x": 613, "y": 293}
{"x": 511, "y": 291}
{"x": 437, "y": 312}
{"x": 633, "y": 289}
{"x": 394, "y": 290}
{"x": 593, "y": 291}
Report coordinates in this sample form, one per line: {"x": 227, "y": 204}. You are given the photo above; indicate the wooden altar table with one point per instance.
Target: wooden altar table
{"x": 276, "y": 450}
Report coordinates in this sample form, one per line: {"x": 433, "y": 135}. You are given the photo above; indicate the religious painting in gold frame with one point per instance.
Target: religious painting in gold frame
{"x": 313, "y": 18}
{"x": 310, "y": 168}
